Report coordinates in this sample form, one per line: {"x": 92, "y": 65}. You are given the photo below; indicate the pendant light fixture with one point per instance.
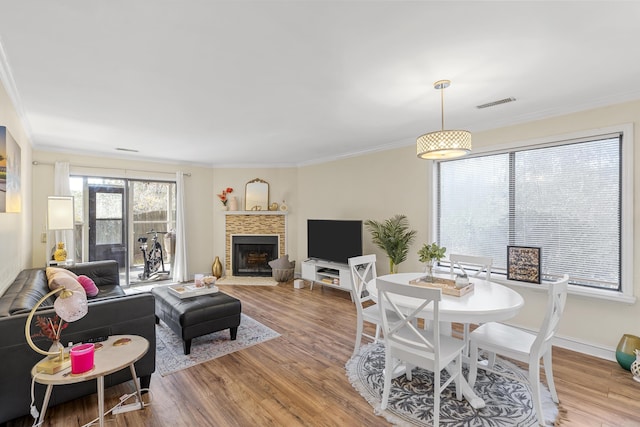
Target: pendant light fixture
{"x": 443, "y": 144}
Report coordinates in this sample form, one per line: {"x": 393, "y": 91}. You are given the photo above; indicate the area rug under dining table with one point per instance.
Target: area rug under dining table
{"x": 507, "y": 401}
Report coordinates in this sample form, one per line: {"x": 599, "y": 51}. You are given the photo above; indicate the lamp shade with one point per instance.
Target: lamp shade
{"x": 60, "y": 214}
{"x": 444, "y": 144}
{"x": 71, "y": 305}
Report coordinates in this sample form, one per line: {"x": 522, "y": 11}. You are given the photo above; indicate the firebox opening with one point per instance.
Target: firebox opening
{"x": 251, "y": 255}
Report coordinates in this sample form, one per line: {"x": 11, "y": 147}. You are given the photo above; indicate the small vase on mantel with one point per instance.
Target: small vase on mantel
{"x": 216, "y": 268}
{"x": 233, "y": 204}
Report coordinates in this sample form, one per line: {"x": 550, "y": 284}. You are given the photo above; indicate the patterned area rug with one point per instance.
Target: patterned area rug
{"x": 508, "y": 402}
{"x": 171, "y": 358}
{"x": 247, "y": 281}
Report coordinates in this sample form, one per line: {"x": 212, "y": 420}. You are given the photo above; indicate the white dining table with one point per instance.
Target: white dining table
{"x": 488, "y": 302}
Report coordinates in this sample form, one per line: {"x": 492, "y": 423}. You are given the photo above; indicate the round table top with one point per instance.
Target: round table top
{"x": 116, "y": 353}
{"x": 488, "y": 302}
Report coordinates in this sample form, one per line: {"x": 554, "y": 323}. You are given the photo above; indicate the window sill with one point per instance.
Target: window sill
{"x": 573, "y": 289}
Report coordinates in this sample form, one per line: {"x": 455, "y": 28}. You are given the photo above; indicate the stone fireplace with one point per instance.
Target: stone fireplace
{"x": 257, "y": 235}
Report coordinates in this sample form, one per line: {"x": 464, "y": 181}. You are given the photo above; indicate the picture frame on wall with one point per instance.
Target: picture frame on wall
{"x": 10, "y": 175}
{"x": 523, "y": 263}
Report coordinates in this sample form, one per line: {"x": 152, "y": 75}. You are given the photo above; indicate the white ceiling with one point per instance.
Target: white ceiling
{"x": 277, "y": 83}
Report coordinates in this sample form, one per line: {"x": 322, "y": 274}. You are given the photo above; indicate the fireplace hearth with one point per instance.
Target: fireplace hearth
{"x": 251, "y": 254}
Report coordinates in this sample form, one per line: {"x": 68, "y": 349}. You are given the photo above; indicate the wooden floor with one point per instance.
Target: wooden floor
{"x": 298, "y": 379}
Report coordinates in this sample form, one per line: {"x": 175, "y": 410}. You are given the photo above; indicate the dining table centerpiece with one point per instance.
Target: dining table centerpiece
{"x": 430, "y": 254}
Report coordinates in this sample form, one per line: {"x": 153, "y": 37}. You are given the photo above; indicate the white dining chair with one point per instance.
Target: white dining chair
{"x": 508, "y": 341}
{"x": 406, "y": 344}
{"x": 363, "y": 269}
{"x": 472, "y": 266}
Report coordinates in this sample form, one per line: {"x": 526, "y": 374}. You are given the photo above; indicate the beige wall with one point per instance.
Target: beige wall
{"x": 15, "y": 228}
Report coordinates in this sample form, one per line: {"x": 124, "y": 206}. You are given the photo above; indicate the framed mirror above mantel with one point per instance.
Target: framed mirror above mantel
{"x": 256, "y": 195}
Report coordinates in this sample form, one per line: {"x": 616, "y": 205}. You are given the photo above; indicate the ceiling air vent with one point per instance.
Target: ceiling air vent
{"x": 498, "y": 102}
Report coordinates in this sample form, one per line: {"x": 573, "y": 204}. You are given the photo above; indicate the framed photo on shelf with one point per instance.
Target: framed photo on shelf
{"x": 523, "y": 263}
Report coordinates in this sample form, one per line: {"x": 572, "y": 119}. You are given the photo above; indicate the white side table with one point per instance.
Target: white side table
{"x": 110, "y": 358}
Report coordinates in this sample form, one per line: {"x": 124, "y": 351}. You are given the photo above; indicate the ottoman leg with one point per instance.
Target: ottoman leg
{"x": 233, "y": 332}
{"x": 186, "y": 345}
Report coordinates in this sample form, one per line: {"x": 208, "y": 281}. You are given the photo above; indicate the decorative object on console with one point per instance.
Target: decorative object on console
{"x": 216, "y": 268}
{"x": 430, "y": 254}
{"x": 392, "y": 236}
{"x": 273, "y": 206}
{"x": 60, "y": 254}
{"x": 443, "y": 144}
{"x": 70, "y": 306}
{"x": 256, "y": 195}
{"x": 626, "y": 350}
{"x": 284, "y": 207}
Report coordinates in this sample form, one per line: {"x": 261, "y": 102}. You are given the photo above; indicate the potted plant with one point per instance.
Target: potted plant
{"x": 430, "y": 254}
{"x": 392, "y": 236}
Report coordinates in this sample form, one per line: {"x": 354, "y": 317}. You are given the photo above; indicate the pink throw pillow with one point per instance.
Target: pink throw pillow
{"x": 89, "y": 285}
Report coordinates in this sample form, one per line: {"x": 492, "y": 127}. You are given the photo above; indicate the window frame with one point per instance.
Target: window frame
{"x": 626, "y": 293}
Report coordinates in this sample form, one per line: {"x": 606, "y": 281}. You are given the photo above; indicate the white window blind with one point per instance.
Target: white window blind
{"x": 564, "y": 198}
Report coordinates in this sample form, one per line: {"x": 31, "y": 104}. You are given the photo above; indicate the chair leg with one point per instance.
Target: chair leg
{"x": 358, "y": 338}
{"x": 534, "y": 381}
{"x": 378, "y": 330}
{"x": 473, "y": 364}
{"x": 458, "y": 377}
{"x": 388, "y": 373}
{"x": 491, "y": 360}
{"x": 548, "y": 371}
{"x": 436, "y": 397}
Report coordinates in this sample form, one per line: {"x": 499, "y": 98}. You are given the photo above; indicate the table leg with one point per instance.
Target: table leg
{"x": 45, "y": 403}
{"x": 136, "y": 383}
{"x": 101, "y": 399}
{"x": 470, "y": 396}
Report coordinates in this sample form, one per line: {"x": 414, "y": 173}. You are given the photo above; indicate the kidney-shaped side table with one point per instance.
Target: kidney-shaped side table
{"x": 116, "y": 353}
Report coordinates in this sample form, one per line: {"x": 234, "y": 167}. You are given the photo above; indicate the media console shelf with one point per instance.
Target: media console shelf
{"x": 327, "y": 273}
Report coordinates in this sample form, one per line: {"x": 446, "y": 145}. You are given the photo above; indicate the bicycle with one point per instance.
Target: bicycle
{"x": 153, "y": 258}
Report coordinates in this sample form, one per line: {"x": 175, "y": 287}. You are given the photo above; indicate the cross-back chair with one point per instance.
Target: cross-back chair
{"x": 363, "y": 269}
{"x": 406, "y": 343}
{"x": 497, "y": 338}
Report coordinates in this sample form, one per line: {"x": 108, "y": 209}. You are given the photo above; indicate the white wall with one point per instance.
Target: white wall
{"x": 15, "y": 228}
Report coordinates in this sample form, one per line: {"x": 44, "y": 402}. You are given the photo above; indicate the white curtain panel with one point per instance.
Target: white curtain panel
{"x": 61, "y": 187}
{"x": 179, "y": 273}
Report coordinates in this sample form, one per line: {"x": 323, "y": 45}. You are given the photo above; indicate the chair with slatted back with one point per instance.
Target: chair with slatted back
{"x": 407, "y": 344}
{"x": 472, "y": 266}
{"x": 363, "y": 269}
{"x": 497, "y": 338}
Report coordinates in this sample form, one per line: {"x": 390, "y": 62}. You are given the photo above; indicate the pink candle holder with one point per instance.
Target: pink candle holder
{"x": 82, "y": 358}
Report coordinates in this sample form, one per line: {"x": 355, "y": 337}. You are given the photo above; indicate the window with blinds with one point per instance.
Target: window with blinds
{"x": 564, "y": 198}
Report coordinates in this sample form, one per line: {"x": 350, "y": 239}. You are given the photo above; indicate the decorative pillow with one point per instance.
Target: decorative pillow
{"x": 58, "y": 279}
{"x": 50, "y": 271}
{"x": 89, "y": 285}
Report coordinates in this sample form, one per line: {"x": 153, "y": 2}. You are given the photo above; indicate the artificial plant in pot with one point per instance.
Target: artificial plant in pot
{"x": 430, "y": 254}
{"x": 392, "y": 236}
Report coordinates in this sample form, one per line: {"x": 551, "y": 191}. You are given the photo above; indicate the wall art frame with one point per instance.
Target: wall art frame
{"x": 523, "y": 263}
{"x": 10, "y": 170}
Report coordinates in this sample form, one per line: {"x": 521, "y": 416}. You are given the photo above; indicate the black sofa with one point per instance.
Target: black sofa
{"x": 111, "y": 312}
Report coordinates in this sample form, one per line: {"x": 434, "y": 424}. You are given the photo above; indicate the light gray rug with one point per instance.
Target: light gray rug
{"x": 508, "y": 402}
{"x": 170, "y": 356}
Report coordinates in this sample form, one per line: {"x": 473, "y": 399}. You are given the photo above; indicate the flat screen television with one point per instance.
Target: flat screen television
{"x": 334, "y": 240}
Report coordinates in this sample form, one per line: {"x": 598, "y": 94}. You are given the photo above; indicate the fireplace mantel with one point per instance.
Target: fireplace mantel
{"x": 254, "y": 223}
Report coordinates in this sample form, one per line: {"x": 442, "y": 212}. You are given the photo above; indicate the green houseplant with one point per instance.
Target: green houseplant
{"x": 392, "y": 236}
{"x": 429, "y": 254}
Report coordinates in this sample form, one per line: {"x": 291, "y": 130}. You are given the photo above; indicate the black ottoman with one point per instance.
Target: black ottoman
{"x": 201, "y": 315}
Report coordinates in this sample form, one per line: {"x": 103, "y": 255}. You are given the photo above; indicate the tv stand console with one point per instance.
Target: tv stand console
{"x": 326, "y": 273}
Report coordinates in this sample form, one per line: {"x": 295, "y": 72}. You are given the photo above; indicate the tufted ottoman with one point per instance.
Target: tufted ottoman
{"x": 192, "y": 317}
